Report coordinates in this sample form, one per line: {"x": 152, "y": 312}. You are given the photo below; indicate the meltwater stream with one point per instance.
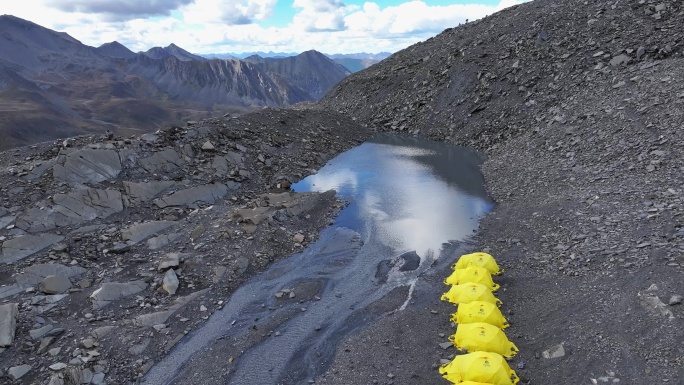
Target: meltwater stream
{"x": 407, "y": 197}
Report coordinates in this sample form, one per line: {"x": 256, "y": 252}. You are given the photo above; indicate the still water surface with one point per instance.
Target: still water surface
{"x": 408, "y": 198}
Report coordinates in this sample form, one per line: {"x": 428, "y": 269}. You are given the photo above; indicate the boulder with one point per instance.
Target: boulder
{"x": 170, "y": 282}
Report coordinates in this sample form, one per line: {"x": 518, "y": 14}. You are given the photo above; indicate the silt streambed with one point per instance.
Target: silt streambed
{"x": 410, "y": 201}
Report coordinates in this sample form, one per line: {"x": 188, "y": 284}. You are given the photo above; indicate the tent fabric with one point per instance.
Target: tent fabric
{"x": 479, "y": 311}
{"x": 483, "y": 367}
{"x": 483, "y": 337}
{"x": 474, "y": 274}
{"x": 473, "y": 383}
{"x": 470, "y": 292}
{"x": 478, "y": 259}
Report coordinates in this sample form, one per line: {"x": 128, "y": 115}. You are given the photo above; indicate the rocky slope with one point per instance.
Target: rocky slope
{"x": 578, "y": 107}
{"x": 114, "y": 248}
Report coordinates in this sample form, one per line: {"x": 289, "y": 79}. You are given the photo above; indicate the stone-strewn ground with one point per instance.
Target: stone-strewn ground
{"x": 578, "y": 107}
{"x": 114, "y": 248}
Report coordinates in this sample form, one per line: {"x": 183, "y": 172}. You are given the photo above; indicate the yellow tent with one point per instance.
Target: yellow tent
{"x": 469, "y": 292}
{"x": 483, "y": 337}
{"x": 478, "y": 259}
{"x": 472, "y": 383}
{"x": 484, "y": 367}
{"x": 474, "y": 274}
{"x": 479, "y": 311}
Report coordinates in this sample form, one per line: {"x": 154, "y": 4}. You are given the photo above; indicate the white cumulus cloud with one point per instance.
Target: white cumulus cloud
{"x": 320, "y": 15}
{"x": 416, "y": 16}
{"x": 217, "y": 26}
{"x": 231, "y": 12}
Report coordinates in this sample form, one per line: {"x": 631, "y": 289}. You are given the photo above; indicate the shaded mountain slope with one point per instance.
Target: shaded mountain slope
{"x": 311, "y": 71}
{"x": 38, "y": 48}
{"x": 85, "y": 89}
{"x": 218, "y": 82}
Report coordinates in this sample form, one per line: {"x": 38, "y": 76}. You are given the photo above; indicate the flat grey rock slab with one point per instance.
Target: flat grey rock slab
{"x": 78, "y": 206}
{"x": 157, "y": 243}
{"x": 55, "y": 284}
{"x": 169, "y": 261}
{"x": 87, "y": 166}
{"x": 6, "y": 221}
{"x": 39, "y": 333}
{"x": 17, "y": 372}
{"x": 207, "y": 194}
{"x": 220, "y": 164}
{"x": 165, "y": 160}
{"x": 161, "y": 317}
{"x": 139, "y": 192}
{"x": 152, "y": 319}
{"x": 88, "y": 229}
{"x": 8, "y": 323}
{"x": 40, "y": 169}
{"x": 35, "y": 274}
{"x": 253, "y": 216}
{"x": 234, "y": 158}
{"x": 112, "y": 291}
{"x": 141, "y": 231}
{"x": 23, "y": 246}
{"x": 10, "y": 290}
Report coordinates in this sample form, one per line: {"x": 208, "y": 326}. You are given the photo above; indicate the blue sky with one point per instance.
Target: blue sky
{"x": 219, "y": 26}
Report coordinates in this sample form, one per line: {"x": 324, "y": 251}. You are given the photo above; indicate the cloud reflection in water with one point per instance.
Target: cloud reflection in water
{"x": 406, "y": 193}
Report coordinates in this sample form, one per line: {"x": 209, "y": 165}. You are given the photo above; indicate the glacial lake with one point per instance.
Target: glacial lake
{"x": 408, "y": 199}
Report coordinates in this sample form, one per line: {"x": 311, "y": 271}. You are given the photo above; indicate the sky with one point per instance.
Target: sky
{"x": 236, "y": 26}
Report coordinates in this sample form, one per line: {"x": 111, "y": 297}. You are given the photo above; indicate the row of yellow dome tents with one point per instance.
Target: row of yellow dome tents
{"x": 480, "y": 325}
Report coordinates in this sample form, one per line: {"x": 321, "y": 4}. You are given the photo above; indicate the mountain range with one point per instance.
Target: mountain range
{"x": 53, "y": 86}
{"x": 354, "y": 62}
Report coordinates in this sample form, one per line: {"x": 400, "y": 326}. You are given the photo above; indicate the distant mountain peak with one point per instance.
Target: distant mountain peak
{"x": 115, "y": 50}
{"x": 172, "y": 50}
